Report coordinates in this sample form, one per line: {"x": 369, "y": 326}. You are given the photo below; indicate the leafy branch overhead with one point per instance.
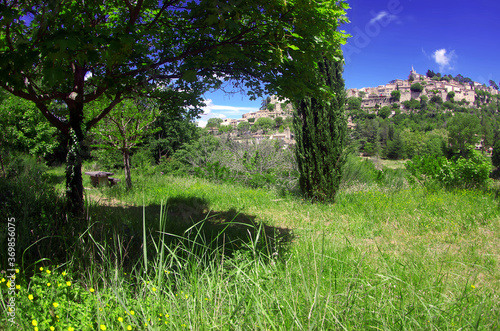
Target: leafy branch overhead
{"x": 77, "y": 51}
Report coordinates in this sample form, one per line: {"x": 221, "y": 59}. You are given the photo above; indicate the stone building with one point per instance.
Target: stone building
{"x": 381, "y": 95}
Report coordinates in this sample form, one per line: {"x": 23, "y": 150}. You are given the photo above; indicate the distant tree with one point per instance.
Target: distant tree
{"x": 125, "y": 127}
{"x": 354, "y": 103}
{"x": 423, "y": 102}
{"x": 396, "y": 95}
{"x": 251, "y": 120}
{"x": 430, "y": 73}
{"x": 264, "y": 123}
{"x": 412, "y": 104}
{"x": 463, "y": 129}
{"x": 226, "y": 128}
{"x": 495, "y": 156}
{"x": 278, "y": 121}
{"x": 394, "y": 149}
{"x": 214, "y": 122}
{"x": 449, "y": 105}
{"x": 459, "y": 78}
{"x": 436, "y": 99}
{"x": 416, "y": 87}
{"x": 321, "y": 135}
{"x": 385, "y": 112}
{"x": 271, "y": 106}
{"x": 243, "y": 127}
{"x": 450, "y": 96}
{"x": 361, "y": 94}
{"x": 493, "y": 84}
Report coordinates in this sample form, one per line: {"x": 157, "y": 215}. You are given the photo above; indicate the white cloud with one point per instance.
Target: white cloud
{"x": 444, "y": 59}
{"x": 383, "y": 17}
{"x": 212, "y": 110}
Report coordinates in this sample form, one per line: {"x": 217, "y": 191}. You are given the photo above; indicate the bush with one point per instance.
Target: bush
{"x": 27, "y": 195}
{"x": 464, "y": 173}
{"x": 417, "y": 87}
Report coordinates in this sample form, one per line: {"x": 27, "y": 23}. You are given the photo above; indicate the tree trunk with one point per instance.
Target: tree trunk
{"x": 3, "y": 169}
{"x": 126, "y": 165}
{"x": 74, "y": 183}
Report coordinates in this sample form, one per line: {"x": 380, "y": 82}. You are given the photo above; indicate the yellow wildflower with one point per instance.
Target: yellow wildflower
{"x": 103, "y": 327}
{"x": 30, "y": 296}
{"x": 34, "y": 322}
{"x": 55, "y": 304}
{"x": 120, "y": 319}
{"x": 68, "y": 283}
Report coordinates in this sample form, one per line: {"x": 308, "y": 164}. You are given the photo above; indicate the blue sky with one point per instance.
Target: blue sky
{"x": 389, "y": 36}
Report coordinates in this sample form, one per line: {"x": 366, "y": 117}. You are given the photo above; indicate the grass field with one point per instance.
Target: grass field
{"x": 226, "y": 257}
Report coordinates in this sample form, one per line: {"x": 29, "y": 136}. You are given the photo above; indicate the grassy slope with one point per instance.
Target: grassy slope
{"x": 406, "y": 259}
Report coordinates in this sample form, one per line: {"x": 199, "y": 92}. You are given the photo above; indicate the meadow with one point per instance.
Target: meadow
{"x": 180, "y": 253}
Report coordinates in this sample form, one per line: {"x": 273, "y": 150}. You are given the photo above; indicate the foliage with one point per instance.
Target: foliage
{"x": 125, "y": 49}
{"x": 243, "y": 127}
{"x": 266, "y": 164}
{"x": 214, "y": 122}
{"x": 396, "y": 95}
{"x": 170, "y": 130}
{"x": 28, "y": 195}
{"x": 263, "y": 123}
{"x": 416, "y": 87}
{"x": 463, "y": 130}
{"x": 495, "y": 157}
{"x": 412, "y": 104}
{"x": 385, "y": 112}
{"x": 125, "y": 128}
{"x": 24, "y": 129}
{"x": 354, "y": 103}
{"x": 321, "y": 134}
{"x": 464, "y": 173}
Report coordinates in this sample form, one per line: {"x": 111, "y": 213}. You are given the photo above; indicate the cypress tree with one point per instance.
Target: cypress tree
{"x": 320, "y": 132}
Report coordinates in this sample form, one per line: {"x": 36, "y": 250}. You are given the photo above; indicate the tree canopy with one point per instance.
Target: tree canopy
{"x": 74, "y": 52}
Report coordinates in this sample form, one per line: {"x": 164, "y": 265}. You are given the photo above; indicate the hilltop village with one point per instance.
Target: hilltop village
{"x": 397, "y": 94}
{"x": 383, "y": 95}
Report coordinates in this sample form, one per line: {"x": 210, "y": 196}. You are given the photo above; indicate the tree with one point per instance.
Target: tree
{"x": 385, "y": 112}
{"x": 416, "y": 87}
{"x": 450, "y": 96}
{"x": 279, "y": 121}
{"x": 493, "y": 84}
{"x": 74, "y": 52}
{"x": 125, "y": 127}
{"x": 263, "y": 123}
{"x": 430, "y": 73}
{"x": 354, "y": 103}
{"x": 214, "y": 122}
{"x": 24, "y": 129}
{"x": 243, "y": 127}
{"x": 463, "y": 129}
{"x": 495, "y": 156}
{"x": 320, "y": 134}
{"x": 396, "y": 95}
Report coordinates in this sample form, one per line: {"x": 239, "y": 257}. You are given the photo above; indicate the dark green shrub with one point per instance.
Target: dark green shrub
{"x": 27, "y": 195}
{"x": 464, "y": 173}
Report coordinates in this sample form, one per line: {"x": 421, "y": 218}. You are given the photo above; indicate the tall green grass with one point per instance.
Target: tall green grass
{"x": 177, "y": 253}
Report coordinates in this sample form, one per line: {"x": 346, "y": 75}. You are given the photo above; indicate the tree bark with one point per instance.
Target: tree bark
{"x": 74, "y": 183}
{"x": 126, "y": 165}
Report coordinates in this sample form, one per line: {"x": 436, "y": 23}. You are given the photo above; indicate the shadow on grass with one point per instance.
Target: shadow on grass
{"x": 187, "y": 221}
